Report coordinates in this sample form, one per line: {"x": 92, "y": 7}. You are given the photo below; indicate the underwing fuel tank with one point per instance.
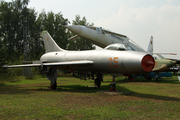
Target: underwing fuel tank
{"x": 107, "y": 61}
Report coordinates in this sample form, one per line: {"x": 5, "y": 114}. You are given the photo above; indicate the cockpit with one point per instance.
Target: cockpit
{"x": 119, "y": 47}
{"x": 94, "y": 28}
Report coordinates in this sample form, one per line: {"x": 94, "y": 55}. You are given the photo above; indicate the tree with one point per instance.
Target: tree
{"x": 12, "y": 17}
{"x": 13, "y": 14}
{"x": 2, "y": 59}
{"x": 80, "y": 43}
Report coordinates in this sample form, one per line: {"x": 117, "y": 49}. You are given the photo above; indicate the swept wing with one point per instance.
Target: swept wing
{"x": 84, "y": 62}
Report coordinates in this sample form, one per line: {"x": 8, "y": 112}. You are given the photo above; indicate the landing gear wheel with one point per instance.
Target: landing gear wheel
{"x": 147, "y": 76}
{"x": 131, "y": 78}
{"x": 112, "y": 87}
{"x": 54, "y": 85}
{"x": 97, "y": 82}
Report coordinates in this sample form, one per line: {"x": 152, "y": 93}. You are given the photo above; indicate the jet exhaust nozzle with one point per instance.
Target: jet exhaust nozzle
{"x": 148, "y": 63}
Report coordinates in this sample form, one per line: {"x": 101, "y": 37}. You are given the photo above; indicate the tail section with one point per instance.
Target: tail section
{"x": 150, "y": 47}
{"x": 49, "y": 43}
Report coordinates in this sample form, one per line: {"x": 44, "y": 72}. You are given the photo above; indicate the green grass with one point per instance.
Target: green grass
{"x": 21, "y": 98}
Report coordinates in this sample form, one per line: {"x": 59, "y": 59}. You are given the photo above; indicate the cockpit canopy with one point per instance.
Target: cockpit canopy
{"x": 118, "y": 46}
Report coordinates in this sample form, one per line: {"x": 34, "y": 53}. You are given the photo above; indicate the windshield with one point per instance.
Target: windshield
{"x": 120, "y": 47}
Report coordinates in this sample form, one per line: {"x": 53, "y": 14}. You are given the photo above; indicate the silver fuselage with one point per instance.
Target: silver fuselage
{"x": 107, "y": 61}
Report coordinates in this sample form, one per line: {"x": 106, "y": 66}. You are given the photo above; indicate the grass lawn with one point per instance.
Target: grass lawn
{"x": 79, "y": 99}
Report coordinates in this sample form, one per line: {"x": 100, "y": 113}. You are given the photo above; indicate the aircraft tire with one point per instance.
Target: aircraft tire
{"x": 97, "y": 82}
{"x": 54, "y": 85}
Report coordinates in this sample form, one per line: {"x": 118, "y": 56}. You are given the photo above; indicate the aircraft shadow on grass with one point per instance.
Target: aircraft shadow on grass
{"x": 8, "y": 89}
{"x": 122, "y": 91}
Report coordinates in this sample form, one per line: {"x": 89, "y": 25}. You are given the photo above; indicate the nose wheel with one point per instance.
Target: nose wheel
{"x": 53, "y": 85}
{"x": 112, "y": 86}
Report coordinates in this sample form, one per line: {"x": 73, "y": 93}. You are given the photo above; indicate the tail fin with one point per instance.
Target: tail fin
{"x": 49, "y": 43}
{"x": 150, "y": 47}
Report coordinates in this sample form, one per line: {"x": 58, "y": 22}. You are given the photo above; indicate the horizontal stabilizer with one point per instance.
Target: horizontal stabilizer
{"x": 166, "y": 53}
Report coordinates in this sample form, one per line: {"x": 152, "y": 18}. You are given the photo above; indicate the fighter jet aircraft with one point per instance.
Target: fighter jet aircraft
{"x": 115, "y": 41}
{"x": 101, "y": 37}
{"x": 161, "y": 64}
{"x": 89, "y": 62}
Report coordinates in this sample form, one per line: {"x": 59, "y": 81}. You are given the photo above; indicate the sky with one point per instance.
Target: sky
{"x": 137, "y": 19}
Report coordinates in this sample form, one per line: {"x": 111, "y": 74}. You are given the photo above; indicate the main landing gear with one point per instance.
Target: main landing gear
{"x": 147, "y": 76}
{"x": 52, "y": 76}
{"x": 98, "y": 79}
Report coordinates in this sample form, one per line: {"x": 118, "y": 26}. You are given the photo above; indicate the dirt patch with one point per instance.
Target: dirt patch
{"x": 115, "y": 92}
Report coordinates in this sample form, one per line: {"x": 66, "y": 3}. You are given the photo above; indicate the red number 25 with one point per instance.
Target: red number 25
{"x": 114, "y": 61}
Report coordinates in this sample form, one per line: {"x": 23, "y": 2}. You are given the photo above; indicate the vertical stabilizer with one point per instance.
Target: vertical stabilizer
{"x": 150, "y": 47}
{"x": 49, "y": 43}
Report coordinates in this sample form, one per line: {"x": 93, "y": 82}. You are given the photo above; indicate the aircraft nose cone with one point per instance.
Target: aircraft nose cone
{"x": 148, "y": 63}
{"x": 74, "y": 28}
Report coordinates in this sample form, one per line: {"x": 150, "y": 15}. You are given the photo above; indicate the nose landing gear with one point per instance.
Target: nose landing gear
{"x": 112, "y": 86}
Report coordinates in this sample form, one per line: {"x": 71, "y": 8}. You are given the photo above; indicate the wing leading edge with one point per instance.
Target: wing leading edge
{"x": 84, "y": 62}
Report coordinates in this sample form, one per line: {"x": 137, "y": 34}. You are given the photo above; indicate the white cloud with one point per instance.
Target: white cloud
{"x": 169, "y": 1}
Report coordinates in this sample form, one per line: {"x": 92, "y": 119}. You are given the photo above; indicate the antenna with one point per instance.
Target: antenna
{"x": 26, "y": 70}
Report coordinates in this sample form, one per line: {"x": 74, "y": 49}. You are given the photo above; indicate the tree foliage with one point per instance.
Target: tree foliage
{"x": 53, "y": 23}
{"x": 12, "y": 16}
